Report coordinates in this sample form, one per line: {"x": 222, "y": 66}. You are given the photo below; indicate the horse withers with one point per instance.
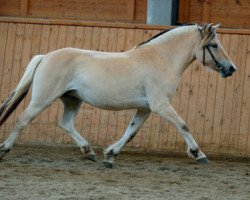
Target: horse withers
{"x": 144, "y": 78}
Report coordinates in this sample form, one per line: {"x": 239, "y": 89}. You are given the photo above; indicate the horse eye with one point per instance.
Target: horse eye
{"x": 215, "y": 46}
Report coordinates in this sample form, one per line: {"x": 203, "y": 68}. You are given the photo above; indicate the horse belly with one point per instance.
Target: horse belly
{"x": 107, "y": 84}
{"x": 106, "y": 98}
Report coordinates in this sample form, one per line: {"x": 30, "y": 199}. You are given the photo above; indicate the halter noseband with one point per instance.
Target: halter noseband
{"x": 218, "y": 65}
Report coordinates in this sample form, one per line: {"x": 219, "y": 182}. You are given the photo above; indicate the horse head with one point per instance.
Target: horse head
{"x": 211, "y": 53}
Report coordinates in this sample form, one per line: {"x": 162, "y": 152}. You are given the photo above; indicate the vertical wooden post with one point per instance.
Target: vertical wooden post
{"x": 130, "y": 10}
{"x": 206, "y": 11}
{"x": 184, "y": 11}
{"x": 24, "y": 7}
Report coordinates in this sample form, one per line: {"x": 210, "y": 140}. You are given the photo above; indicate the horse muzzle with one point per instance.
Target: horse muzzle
{"x": 227, "y": 70}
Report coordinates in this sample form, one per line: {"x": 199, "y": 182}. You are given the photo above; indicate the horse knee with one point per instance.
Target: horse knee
{"x": 66, "y": 127}
{"x": 20, "y": 124}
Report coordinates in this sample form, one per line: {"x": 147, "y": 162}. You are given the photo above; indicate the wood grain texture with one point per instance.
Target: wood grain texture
{"x": 98, "y": 10}
{"x": 233, "y": 14}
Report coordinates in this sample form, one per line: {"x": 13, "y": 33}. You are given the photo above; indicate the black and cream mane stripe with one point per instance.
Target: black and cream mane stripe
{"x": 167, "y": 30}
{"x": 155, "y": 36}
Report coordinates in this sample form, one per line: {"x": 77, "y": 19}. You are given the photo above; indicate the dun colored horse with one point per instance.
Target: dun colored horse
{"x": 144, "y": 78}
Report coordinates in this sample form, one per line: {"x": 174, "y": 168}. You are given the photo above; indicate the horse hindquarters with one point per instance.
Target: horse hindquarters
{"x": 46, "y": 88}
{"x": 21, "y": 90}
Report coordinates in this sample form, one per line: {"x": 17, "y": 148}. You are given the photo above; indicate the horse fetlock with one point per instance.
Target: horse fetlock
{"x": 89, "y": 152}
{"x": 108, "y": 153}
{"x": 108, "y": 160}
{"x": 109, "y": 157}
{"x": 111, "y": 151}
{"x": 196, "y": 153}
{"x": 7, "y": 145}
{"x": 4, "y": 149}
{"x": 87, "y": 149}
{"x": 193, "y": 153}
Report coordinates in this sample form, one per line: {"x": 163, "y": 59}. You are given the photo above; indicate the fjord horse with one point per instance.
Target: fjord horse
{"x": 144, "y": 78}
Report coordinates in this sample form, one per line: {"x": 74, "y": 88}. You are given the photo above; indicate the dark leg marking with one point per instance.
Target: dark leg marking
{"x": 194, "y": 152}
{"x": 185, "y": 128}
{"x": 3, "y": 153}
{"x": 203, "y": 160}
{"x": 131, "y": 137}
{"x": 86, "y": 149}
{"x": 107, "y": 162}
{"x": 111, "y": 153}
{"x": 7, "y": 150}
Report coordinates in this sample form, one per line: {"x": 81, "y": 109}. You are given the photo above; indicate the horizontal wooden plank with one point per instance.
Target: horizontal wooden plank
{"x": 80, "y": 23}
{"x": 231, "y": 14}
{"x": 9, "y": 7}
{"x": 97, "y": 10}
{"x": 107, "y": 24}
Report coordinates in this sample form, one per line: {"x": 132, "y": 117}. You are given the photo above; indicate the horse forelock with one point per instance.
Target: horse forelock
{"x": 209, "y": 28}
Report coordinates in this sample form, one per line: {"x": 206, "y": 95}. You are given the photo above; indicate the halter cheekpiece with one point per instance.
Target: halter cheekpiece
{"x": 218, "y": 65}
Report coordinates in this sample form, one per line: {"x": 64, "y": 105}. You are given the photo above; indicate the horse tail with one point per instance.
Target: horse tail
{"x": 16, "y": 96}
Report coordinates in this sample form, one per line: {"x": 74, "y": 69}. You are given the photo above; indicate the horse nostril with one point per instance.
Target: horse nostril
{"x": 232, "y": 69}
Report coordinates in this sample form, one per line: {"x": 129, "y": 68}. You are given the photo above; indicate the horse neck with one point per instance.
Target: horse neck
{"x": 176, "y": 49}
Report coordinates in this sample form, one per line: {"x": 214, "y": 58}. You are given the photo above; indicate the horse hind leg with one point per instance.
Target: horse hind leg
{"x": 71, "y": 107}
{"x": 28, "y": 114}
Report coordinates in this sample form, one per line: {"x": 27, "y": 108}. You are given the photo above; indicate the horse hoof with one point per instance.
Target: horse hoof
{"x": 202, "y": 160}
{"x": 108, "y": 164}
{"x": 92, "y": 157}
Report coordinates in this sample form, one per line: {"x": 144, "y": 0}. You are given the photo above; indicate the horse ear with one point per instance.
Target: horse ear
{"x": 207, "y": 33}
{"x": 215, "y": 27}
{"x": 209, "y": 28}
{"x": 205, "y": 30}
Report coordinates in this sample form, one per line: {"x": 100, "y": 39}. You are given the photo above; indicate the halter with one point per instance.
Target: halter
{"x": 218, "y": 65}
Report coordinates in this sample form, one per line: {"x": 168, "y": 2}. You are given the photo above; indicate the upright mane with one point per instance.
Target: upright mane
{"x": 155, "y": 36}
{"x": 165, "y": 31}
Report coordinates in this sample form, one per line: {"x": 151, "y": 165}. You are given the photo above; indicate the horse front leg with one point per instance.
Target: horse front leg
{"x": 133, "y": 127}
{"x": 166, "y": 111}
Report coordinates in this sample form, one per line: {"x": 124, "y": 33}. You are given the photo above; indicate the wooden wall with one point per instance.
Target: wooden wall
{"x": 232, "y": 14}
{"x": 217, "y": 110}
{"x": 100, "y": 10}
